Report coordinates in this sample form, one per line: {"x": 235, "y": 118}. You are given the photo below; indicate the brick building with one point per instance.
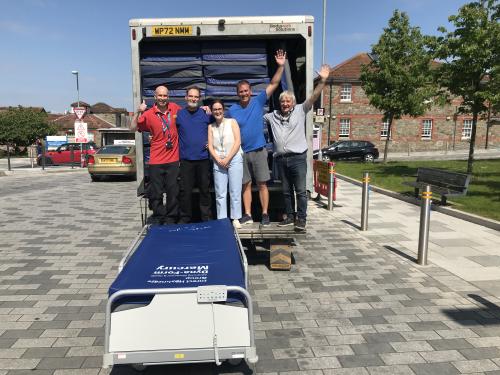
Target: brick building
{"x": 349, "y": 115}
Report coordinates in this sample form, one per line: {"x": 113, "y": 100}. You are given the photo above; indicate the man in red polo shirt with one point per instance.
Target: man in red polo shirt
{"x": 159, "y": 121}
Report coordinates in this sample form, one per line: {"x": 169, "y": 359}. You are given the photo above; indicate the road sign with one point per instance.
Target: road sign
{"x": 79, "y": 112}
{"x": 81, "y": 135}
{"x": 319, "y": 119}
{"x": 320, "y": 111}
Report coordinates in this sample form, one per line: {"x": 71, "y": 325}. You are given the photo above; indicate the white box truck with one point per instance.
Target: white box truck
{"x": 213, "y": 54}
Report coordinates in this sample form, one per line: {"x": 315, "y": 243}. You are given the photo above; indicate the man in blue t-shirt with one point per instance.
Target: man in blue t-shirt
{"x": 248, "y": 113}
{"x": 192, "y": 124}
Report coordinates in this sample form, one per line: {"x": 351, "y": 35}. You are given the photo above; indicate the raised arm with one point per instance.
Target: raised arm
{"x": 140, "y": 110}
{"x": 323, "y": 74}
{"x": 280, "y": 58}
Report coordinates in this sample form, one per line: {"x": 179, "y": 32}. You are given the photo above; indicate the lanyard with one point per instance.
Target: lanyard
{"x": 221, "y": 135}
{"x": 166, "y": 124}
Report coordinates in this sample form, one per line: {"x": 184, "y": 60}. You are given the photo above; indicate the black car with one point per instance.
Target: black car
{"x": 349, "y": 150}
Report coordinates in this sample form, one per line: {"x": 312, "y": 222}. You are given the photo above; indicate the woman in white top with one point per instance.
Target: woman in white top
{"x": 224, "y": 145}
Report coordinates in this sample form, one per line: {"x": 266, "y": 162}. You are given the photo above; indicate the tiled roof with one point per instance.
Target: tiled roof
{"x": 36, "y": 109}
{"x": 105, "y": 108}
{"x": 68, "y": 121}
{"x": 350, "y": 70}
{"x": 82, "y": 104}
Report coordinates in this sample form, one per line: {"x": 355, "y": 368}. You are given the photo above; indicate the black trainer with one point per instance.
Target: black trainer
{"x": 246, "y": 219}
{"x": 287, "y": 222}
{"x": 300, "y": 225}
{"x": 265, "y": 220}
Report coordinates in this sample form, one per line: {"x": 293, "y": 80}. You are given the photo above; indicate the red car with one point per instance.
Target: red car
{"x": 63, "y": 154}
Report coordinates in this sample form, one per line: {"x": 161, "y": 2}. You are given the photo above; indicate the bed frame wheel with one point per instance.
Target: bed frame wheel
{"x": 234, "y": 361}
{"x": 139, "y": 367}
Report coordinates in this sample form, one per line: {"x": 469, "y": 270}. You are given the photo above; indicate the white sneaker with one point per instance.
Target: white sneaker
{"x": 236, "y": 224}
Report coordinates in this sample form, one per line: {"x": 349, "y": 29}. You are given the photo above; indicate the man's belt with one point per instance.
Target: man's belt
{"x": 288, "y": 154}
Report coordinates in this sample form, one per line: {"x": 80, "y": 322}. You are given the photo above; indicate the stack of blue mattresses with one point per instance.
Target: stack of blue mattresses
{"x": 176, "y": 66}
{"x": 224, "y": 64}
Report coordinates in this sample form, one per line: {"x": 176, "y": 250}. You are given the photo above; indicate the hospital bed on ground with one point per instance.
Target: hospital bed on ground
{"x": 181, "y": 297}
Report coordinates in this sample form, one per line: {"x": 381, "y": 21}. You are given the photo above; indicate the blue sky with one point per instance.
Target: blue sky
{"x": 42, "y": 41}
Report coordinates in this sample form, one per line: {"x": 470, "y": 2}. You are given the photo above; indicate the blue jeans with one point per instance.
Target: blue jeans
{"x": 233, "y": 175}
{"x": 293, "y": 170}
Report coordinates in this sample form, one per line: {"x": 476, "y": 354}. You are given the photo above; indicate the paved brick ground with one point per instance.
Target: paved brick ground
{"x": 349, "y": 306}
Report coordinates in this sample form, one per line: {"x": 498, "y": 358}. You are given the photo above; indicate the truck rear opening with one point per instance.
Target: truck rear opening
{"x": 215, "y": 53}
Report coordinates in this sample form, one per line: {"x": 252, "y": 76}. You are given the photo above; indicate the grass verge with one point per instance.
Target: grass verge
{"x": 483, "y": 195}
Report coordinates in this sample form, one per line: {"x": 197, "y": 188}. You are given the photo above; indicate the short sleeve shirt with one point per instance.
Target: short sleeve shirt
{"x": 161, "y": 131}
{"x": 193, "y": 134}
{"x": 289, "y": 133}
{"x": 250, "y": 121}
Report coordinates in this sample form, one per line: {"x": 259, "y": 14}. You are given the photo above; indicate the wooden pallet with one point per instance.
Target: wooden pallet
{"x": 280, "y": 239}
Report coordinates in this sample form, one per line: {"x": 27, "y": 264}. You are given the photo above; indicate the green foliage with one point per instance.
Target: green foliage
{"x": 471, "y": 60}
{"x": 398, "y": 81}
{"x": 23, "y": 126}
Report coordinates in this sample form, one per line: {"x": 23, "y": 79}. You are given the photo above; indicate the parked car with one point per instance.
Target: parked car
{"x": 68, "y": 153}
{"x": 349, "y": 150}
{"x": 112, "y": 160}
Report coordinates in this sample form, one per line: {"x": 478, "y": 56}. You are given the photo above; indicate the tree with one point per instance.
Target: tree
{"x": 398, "y": 81}
{"x": 22, "y": 127}
{"x": 471, "y": 61}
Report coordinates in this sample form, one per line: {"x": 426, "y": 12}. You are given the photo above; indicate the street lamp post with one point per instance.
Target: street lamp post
{"x": 75, "y": 72}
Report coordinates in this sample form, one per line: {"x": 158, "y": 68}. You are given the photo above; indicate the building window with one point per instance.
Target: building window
{"x": 427, "y": 129}
{"x": 345, "y": 127}
{"x": 467, "y": 129}
{"x": 346, "y": 92}
{"x": 384, "y": 129}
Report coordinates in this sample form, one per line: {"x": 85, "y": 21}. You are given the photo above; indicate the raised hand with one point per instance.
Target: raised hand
{"x": 280, "y": 57}
{"x": 324, "y": 72}
{"x": 142, "y": 106}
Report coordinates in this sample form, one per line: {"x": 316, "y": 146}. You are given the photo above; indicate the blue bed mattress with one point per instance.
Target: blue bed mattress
{"x": 182, "y": 256}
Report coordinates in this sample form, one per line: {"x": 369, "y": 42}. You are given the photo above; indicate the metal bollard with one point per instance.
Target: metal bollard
{"x": 331, "y": 185}
{"x": 365, "y": 201}
{"x": 423, "y": 235}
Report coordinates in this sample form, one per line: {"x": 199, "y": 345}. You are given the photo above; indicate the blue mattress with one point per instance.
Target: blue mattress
{"x": 172, "y": 83}
{"x": 247, "y": 57}
{"x": 185, "y": 71}
{"x": 235, "y": 72}
{"x": 181, "y": 256}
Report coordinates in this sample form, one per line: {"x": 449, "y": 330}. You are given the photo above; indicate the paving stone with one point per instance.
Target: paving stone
{"x": 372, "y": 348}
{"x": 18, "y": 363}
{"x": 61, "y": 363}
{"x": 434, "y": 369}
{"x": 446, "y": 344}
{"x": 401, "y": 358}
{"x": 475, "y": 365}
{"x": 360, "y": 360}
{"x": 411, "y": 346}
{"x": 481, "y": 353}
{"x": 442, "y": 356}
{"x": 391, "y": 370}
{"x": 318, "y": 363}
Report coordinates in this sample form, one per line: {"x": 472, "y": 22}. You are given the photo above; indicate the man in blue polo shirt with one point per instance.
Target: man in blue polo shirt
{"x": 192, "y": 124}
{"x": 248, "y": 113}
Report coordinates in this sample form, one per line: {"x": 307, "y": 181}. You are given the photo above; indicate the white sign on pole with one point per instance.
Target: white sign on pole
{"x": 79, "y": 112}
{"x": 81, "y": 135}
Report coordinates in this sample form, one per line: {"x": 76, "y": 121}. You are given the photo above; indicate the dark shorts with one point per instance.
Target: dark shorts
{"x": 255, "y": 166}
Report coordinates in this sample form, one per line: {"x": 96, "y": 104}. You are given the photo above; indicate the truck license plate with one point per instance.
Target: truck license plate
{"x": 172, "y": 30}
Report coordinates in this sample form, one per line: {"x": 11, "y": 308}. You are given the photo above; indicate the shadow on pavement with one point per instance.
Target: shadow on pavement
{"x": 401, "y": 253}
{"x": 185, "y": 369}
{"x": 486, "y": 316}
{"x": 356, "y": 226}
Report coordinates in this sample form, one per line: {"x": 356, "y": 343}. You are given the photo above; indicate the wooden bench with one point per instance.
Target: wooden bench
{"x": 443, "y": 182}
